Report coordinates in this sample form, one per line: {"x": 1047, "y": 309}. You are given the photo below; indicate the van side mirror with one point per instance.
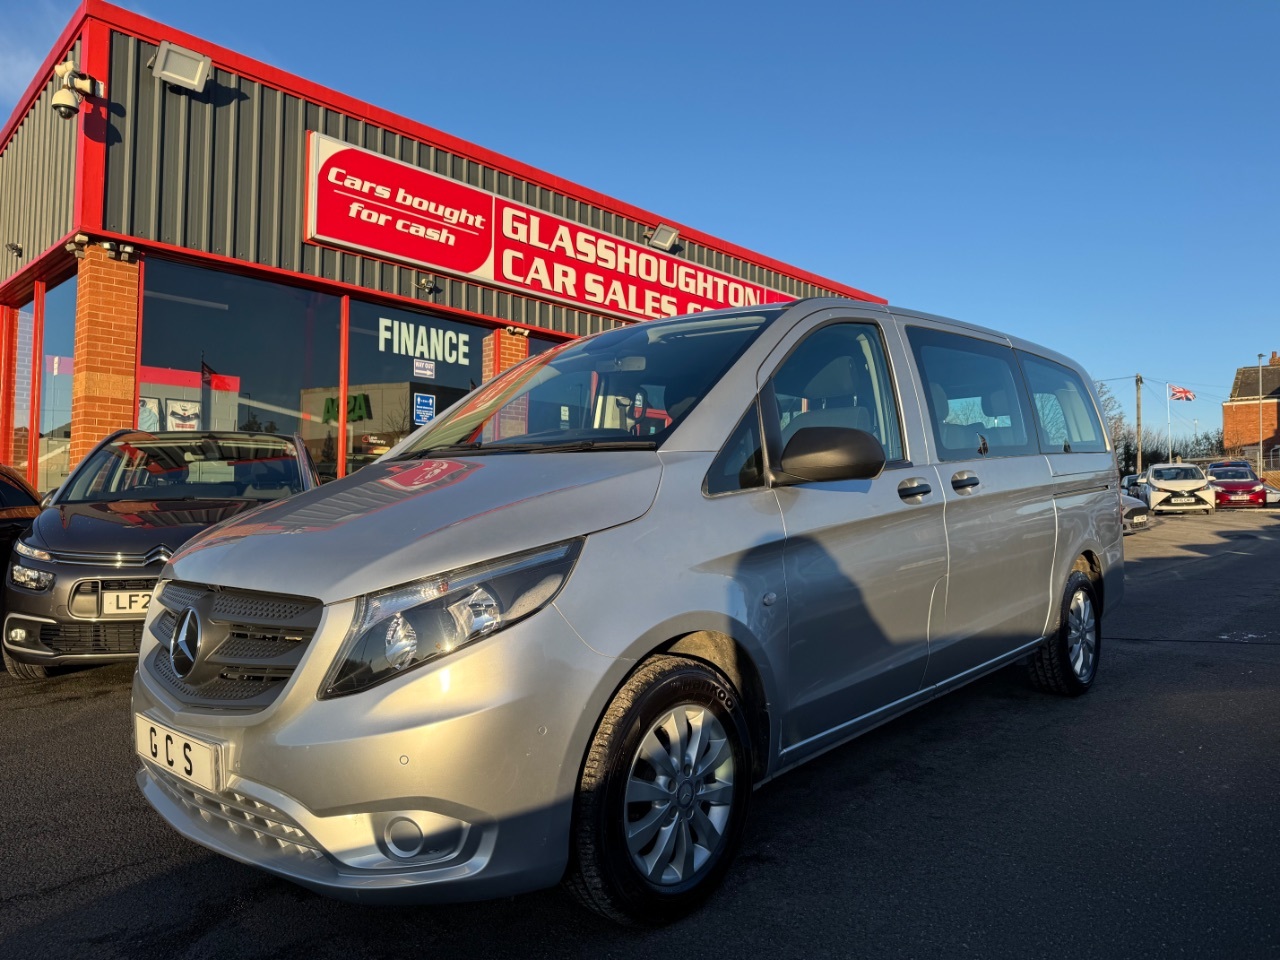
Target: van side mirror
{"x": 817, "y": 454}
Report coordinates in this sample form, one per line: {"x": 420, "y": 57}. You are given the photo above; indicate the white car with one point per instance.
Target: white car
{"x": 1176, "y": 487}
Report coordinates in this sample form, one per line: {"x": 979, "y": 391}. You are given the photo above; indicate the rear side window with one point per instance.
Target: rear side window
{"x": 1065, "y": 414}
{"x": 975, "y": 396}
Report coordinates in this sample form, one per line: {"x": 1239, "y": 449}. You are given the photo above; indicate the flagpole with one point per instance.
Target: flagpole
{"x": 1168, "y": 416}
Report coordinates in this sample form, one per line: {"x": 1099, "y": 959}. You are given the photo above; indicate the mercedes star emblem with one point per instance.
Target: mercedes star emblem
{"x": 184, "y": 646}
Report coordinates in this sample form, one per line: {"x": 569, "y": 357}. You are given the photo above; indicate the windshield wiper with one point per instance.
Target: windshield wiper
{"x": 572, "y": 446}
{"x": 575, "y": 446}
{"x": 443, "y": 448}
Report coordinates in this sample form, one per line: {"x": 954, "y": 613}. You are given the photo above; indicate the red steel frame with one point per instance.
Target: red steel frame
{"x": 344, "y": 331}
{"x": 37, "y": 376}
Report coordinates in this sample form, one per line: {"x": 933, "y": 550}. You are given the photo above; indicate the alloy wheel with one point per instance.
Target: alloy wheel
{"x": 679, "y": 795}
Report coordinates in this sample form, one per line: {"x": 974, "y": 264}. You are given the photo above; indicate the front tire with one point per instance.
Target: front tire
{"x": 25, "y": 672}
{"x": 663, "y": 794}
{"x": 1068, "y": 663}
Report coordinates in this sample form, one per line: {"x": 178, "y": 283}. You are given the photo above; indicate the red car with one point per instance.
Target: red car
{"x": 1237, "y": 487}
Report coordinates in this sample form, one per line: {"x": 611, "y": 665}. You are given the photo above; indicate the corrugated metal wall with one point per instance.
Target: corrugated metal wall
{"x": 37, "y": 184}
{"x": 225, "y": 172}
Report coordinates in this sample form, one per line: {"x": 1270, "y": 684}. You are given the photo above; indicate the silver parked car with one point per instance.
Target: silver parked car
{"x": 563, "y": 631}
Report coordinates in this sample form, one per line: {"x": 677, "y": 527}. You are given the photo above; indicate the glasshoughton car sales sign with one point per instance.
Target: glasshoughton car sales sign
{"x": 360, "y": 200}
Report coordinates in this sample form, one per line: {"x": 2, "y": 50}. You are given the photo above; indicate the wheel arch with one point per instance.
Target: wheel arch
{"x": 731, "y": 658}
{"x": 1090, "y": 564}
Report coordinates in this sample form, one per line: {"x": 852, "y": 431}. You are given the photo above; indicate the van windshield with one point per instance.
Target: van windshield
{"x": 625, "y": 389}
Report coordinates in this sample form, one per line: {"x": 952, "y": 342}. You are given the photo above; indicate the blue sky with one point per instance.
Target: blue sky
{"x": 1101, "y": 177}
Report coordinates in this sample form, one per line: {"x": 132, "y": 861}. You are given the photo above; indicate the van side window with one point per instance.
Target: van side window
{"x": 740, "y": 463}
{"x": 1065, "y": 412}
{"x": 838, "y": 377}
{"x": 975, "y": 396}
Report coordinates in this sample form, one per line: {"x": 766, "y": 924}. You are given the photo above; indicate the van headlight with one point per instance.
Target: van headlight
{"x": 403, "y": 628}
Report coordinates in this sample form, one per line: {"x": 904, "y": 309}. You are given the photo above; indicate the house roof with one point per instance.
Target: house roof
{"x": 1245, "y": 386}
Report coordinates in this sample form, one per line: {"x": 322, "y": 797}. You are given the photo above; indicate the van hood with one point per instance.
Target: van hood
{"x": 399, "y": 521}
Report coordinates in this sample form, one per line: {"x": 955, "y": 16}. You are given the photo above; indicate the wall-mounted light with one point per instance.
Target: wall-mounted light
{"x": 110, "y": 247}
{"x": 427, "y": 284}
{"x": 76, "y": 245}
{"x": 181, "y": 67}
{"x": 126, "y": 252}
{"x": 517, "y": 331}
{"x": 662, "y": 237}
{"x": 14, "y": 248}
{"x": 73, "y": 86}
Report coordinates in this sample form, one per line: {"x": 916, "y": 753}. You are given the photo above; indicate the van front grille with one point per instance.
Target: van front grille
{"x": 251, "y": 643}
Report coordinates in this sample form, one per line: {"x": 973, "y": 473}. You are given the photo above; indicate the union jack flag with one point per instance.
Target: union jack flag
{"x": 1180, "y": 393}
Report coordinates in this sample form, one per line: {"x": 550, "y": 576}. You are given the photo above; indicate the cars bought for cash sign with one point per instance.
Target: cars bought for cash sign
{"x": 364, "y": 201}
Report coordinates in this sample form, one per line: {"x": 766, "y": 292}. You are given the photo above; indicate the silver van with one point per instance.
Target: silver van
{"x": 563, "y": 631}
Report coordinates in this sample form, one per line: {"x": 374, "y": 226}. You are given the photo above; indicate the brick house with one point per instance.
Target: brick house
{"x": 1240, "y": 420}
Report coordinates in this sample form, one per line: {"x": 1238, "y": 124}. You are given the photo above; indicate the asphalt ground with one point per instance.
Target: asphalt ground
{"x": 1137, "y": 821}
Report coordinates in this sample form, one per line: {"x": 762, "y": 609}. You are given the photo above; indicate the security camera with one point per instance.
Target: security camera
{"x": 66, "y": 103}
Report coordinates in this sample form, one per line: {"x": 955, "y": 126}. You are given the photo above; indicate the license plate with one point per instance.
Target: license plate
{"x": 185, "y": 757}
{"x": 116, "y": 603}
{"x": 1138, "y": 521}
{"x": 1182, "y": 499}
{"x": 1239, "y": 496}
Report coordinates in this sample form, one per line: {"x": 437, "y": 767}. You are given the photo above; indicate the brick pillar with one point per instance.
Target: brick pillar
{"x": 102, "y": 386}
{"x": 502, "y": 350}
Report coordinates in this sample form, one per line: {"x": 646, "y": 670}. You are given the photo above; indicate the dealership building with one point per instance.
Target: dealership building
{"x": 192, "y": 239}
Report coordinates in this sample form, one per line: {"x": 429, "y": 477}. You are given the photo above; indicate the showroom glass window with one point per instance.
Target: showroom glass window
{"x": 25, "y": 317}
{"x": 55, "y": 385}
{"x": 225, "y": 352}
{"x": 404, "y": 369}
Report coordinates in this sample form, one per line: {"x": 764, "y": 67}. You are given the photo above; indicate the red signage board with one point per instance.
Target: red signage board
{"x": 364, "y": 201}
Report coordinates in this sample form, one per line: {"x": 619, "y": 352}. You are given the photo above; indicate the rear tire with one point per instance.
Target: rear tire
{"x": 1067, "y": 664}
{"x": 663, "y": 794}
{"x": 24, "y": 672}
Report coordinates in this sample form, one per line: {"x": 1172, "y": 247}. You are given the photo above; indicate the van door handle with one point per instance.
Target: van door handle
{"x": 915, "y": 488}
{"x": 964, "y": 480}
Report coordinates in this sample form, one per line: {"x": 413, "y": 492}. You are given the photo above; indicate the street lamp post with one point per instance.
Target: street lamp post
{"x": 1259, "y": 415}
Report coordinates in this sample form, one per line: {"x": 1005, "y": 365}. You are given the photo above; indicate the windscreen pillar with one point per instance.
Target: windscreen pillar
{"x": 106, "y": 350}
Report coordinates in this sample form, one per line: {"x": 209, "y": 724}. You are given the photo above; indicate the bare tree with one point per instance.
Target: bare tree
{"x": 1117, "y": 425}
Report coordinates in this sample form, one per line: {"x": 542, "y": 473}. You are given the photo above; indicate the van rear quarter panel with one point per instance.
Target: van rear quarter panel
{"x": 1086, "y": 497}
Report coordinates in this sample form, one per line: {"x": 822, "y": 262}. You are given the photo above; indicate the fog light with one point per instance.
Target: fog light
{"x": 404, "y": 837}
{"x": 29, "y": 578}
{"x": 17, "y": 635}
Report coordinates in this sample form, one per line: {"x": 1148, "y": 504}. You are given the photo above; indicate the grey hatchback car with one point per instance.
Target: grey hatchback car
{"x": 562, "y": 632}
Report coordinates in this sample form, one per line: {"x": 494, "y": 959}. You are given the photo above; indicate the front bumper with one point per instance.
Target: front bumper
{"x": 1248, "y": 498}
{"x": 1177, "y": 501}
{"x": 452, "y": 782}
{"x": 66, "y": 623}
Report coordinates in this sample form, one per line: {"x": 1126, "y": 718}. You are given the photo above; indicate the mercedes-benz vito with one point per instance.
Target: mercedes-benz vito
{"x": 564, "y": 630}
